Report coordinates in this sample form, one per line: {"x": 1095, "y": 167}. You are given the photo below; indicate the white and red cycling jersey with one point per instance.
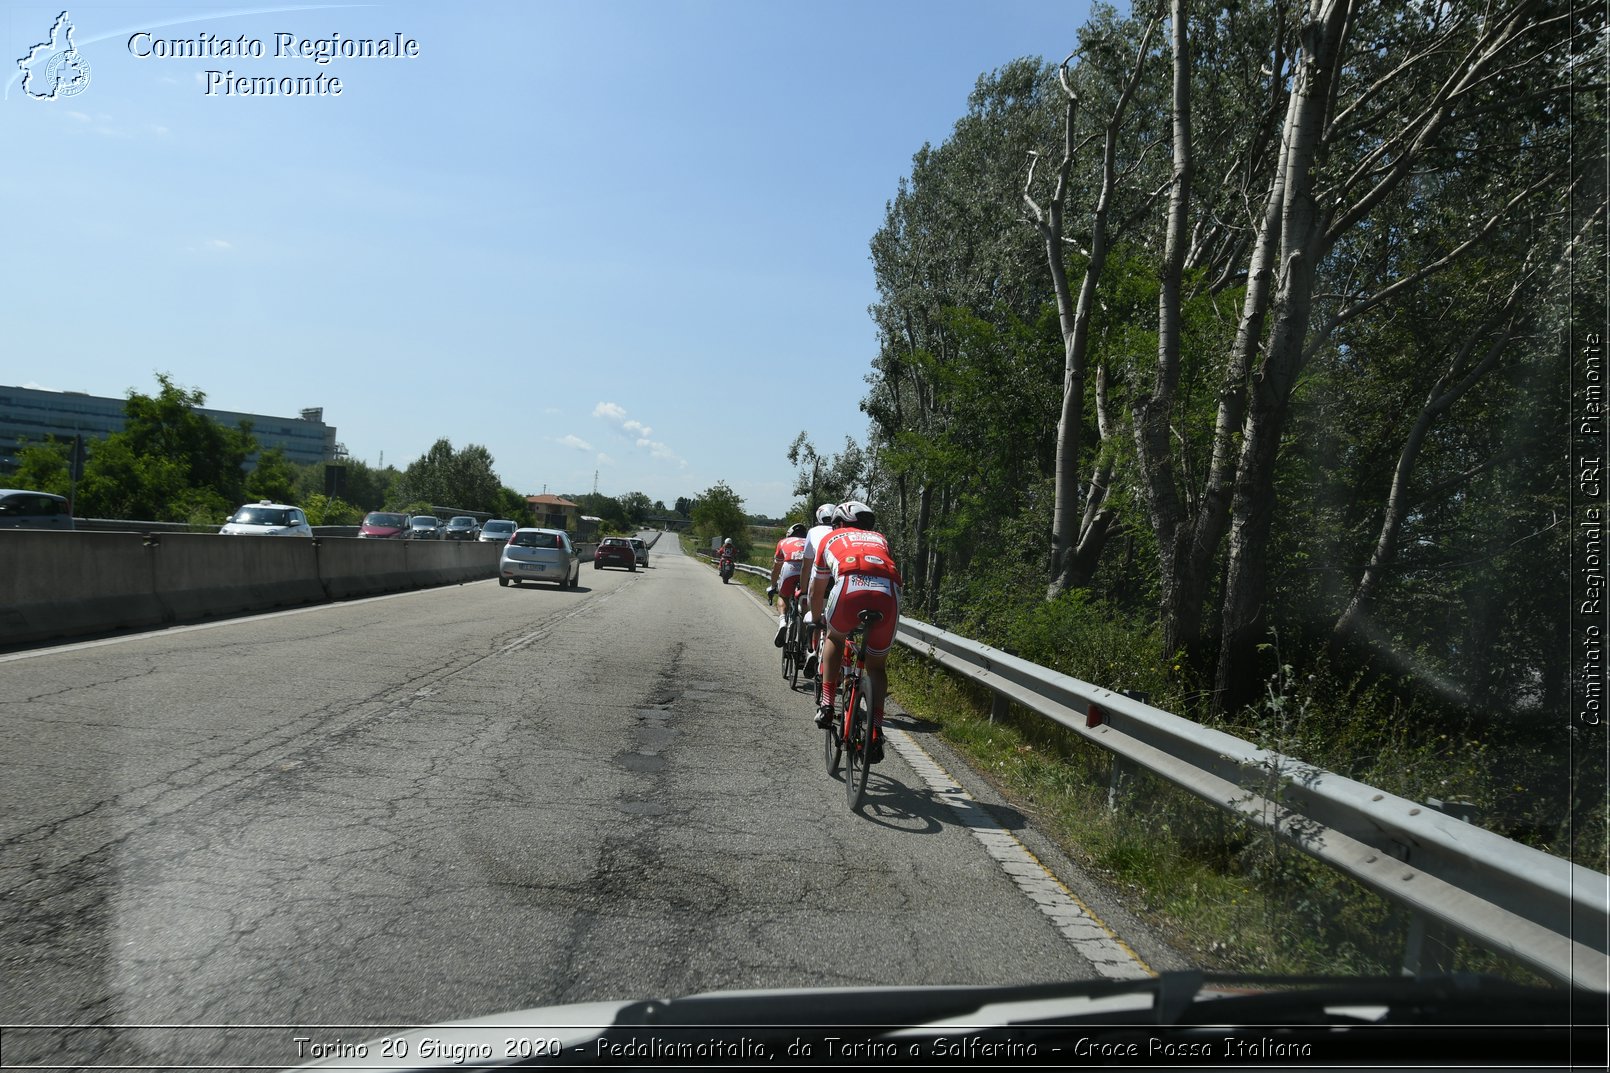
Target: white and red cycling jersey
{"x": 813, "y": 543}
{"x": 791, "y": 556}
{"x": 864, "y": 577}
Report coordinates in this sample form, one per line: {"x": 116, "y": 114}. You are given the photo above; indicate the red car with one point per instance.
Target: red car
{"x": 615, "y": 551}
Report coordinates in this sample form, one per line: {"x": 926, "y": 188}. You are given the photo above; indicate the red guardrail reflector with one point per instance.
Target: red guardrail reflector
{"x": 1094, "y": 716}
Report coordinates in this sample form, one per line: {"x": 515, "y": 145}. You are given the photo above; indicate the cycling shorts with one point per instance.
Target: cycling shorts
{"x": 855, "y": 593}
{"x": 788, "y": 586}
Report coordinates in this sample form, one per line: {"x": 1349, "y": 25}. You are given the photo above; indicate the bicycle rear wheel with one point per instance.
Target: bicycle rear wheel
{"x": 788, "y": 650}
{"x": 794, "y": 644}
{"x": 857, "y": 748}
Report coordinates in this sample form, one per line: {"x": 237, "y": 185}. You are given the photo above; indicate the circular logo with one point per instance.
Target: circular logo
{"x": 67, "y": 74}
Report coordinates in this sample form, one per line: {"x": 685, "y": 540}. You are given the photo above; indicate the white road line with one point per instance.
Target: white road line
{"x": 1075, "y": 920}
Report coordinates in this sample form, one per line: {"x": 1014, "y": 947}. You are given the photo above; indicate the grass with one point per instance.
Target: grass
{"x": 1225, "y": 893}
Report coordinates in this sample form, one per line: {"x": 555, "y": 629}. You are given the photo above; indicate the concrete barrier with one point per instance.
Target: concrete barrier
{"x": 55, "y": 584}
{"x": 353, "y": 567}
{"x": 451, "y": 562}
{"x": 70, "y": 584}
{"x": 204, "y": 576}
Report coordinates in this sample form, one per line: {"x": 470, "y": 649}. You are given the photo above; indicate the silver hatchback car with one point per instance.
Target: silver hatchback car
{"x": 540, "y": 555}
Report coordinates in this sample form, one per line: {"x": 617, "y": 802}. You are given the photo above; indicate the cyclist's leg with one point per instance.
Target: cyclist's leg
{"x": 832, "y": 645}
{"x": 879, "y": 640}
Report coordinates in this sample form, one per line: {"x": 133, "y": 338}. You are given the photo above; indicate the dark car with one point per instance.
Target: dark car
{"x": 462, "y": 527}
{"x": 383, "y": 525}
{"x": 425, "y": 527}
{"x": 615, "y": 551}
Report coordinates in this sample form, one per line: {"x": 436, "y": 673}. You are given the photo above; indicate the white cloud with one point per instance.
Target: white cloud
{"x": 637, "y": 432}
{"x": 605, "y": 460}
{"x": 80, "y": 116}
{"x": 575, "y": 441}
{"x": 219, "y": 244}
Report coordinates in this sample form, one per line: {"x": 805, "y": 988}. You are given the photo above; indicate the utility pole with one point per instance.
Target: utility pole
{"x": 595, "y": 482}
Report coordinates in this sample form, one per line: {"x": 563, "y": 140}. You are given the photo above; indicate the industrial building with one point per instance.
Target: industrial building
{"x": 32, "y": 414}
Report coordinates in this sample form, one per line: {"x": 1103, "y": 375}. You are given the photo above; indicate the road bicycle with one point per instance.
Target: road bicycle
{"x": 793, "y": 642}
{"x": 850, "y": 735}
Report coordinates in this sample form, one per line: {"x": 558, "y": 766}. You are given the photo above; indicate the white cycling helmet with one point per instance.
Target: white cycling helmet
{"x": 824, "y": 514}
{"x": 727, "y": 542}
{"x": 853, "y": 513}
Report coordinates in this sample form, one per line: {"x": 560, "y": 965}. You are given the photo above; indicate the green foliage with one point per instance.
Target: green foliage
{"x": 719, "y": 514}
{"x": 273, "y": 478}
{"x": 458, "y": 479}
{"x": 513, "y": 506}
{"x": 326, "y": 510}
{"x": 169, "y": 463}
{"x": 44, "y": 467}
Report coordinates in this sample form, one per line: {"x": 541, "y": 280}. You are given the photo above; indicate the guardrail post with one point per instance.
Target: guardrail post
{"x": 1120, "y": 770}
{"x": 998, "y": 707}
{"x": 1430, "y": 945}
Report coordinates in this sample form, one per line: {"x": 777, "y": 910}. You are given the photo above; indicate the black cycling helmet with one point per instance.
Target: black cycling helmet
{"x": 853, "y": 514}
{"x": 797, "y": 529}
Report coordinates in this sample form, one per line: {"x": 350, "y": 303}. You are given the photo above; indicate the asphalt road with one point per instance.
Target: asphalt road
{"x": 452, "y": 802}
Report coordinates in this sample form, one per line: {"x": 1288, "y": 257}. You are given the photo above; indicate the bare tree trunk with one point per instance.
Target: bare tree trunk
{"x": 1302, "y": 229}
{"x": 1075, "y": 319}
{"x": 1153, "y": 415}
{"x": 1098, "y": 520}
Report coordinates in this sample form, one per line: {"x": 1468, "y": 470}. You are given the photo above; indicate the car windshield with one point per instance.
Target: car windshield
{"x": 262, "y": 516}
{"x": 1225, "y": 383}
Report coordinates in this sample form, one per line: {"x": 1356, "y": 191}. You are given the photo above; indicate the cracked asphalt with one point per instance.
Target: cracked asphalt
{"x": 453, "y": 802}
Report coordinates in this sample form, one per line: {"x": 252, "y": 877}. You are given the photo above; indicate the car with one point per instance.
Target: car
{"x": 640, "y": 549}
{"x": 540, "y": 555}
{"x": 22, "y": 509}
{"x": 615, "y": 551}
{"x": 267, "y": 519}
{"x": 424, "y": 527}
{"x": 461, "y": 527}
{"x": 497, "y": 530}
{"x": 383, "y": 525}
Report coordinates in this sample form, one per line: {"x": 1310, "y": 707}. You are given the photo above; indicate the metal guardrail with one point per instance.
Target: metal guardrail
{"x": 1537, "y": 908}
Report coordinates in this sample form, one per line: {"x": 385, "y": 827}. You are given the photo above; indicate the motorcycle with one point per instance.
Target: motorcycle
{"x": 726, "y": 571}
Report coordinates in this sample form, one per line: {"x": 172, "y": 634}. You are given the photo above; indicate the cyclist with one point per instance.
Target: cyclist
{"x": 855, "y": 562}
{"x": 728, "y": 552}
{"x": 785, "y": 569}
{"x": 813, "y": 538}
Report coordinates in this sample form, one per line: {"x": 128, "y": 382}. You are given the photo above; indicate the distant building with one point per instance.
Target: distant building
{"x": 555, "y": 512}
{"x": 32, "y": 414}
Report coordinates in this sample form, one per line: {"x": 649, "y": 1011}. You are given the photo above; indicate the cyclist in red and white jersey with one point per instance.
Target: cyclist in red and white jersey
{"x": 813, "y": 539}
{"x": 785, "y": 571}
{"x": 854, "y": 561}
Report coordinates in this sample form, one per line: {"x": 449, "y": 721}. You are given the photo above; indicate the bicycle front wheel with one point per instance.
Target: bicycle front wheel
{"x": 857, "y": 747}
{"x": 832, "y": 747}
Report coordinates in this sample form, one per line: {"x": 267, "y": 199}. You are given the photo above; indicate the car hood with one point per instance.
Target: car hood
{"x": 1189, "y": 1015}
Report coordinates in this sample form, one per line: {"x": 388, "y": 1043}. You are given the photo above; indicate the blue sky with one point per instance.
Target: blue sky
{"x": 613, "y": 236}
